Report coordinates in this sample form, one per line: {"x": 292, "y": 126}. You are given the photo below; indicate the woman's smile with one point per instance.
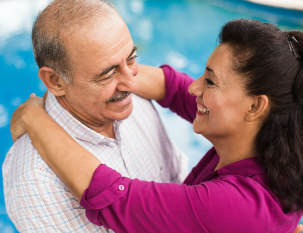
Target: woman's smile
{"x": 202, "y": 110}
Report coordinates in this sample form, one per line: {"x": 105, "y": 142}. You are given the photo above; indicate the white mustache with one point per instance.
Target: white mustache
{"x": 120, "y": 97}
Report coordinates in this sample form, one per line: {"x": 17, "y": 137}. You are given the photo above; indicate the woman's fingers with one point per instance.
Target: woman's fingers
{"x": 299, "y": 229}
{"x": 17, "y": 127}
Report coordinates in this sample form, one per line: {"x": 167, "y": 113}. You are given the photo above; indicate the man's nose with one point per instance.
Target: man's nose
{"x": 126, "y": 79}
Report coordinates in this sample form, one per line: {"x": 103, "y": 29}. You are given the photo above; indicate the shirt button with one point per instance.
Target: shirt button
{"x": 121, "y": 187}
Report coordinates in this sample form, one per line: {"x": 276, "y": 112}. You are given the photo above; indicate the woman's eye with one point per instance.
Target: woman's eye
{"x": 209, "y": 82}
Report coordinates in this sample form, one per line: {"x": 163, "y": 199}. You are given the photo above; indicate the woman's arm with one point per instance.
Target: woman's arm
{"x": 119, "y": 202}
{"x": 50, "y": 139}
{"x": 169, "y": 87}
{"x": 177, "y": 97}
{"x": 72, "y": 163}
{"x": 150, "y": 82}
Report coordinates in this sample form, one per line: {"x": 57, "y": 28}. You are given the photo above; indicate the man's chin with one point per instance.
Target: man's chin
{"x": 125, "y": 111}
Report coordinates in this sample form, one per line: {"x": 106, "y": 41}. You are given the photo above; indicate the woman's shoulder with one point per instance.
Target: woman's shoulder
{"x": 243, "y": 203}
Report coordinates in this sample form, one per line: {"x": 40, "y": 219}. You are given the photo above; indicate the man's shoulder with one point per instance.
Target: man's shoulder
{"x": 143, "y": 107}
{"x": 144, "y": 116}
{"x": 20, "y": 150}
{"x": 140, "y": 100}
{"x": 23, "y": 162}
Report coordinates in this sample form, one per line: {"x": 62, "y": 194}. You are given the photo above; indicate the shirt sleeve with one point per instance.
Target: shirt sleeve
{"x": 125, "y": 205}
{"x": 180, "y": 167}
{"x": 177, "y": 97}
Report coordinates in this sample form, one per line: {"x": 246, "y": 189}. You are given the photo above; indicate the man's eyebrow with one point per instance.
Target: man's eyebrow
{"x": 108, "y": 69}
{"x": 211, "y": 71}
{"x": 132, "y": 52}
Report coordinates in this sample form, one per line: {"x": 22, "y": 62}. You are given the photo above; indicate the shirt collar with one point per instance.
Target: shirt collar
{"x": 73, "y": 126}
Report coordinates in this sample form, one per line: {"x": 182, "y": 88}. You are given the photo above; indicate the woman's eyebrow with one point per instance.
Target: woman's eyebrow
{"x": 211, "y": 71}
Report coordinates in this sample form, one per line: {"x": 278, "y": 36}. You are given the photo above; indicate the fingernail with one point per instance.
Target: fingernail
{"x": 32, "y": 95}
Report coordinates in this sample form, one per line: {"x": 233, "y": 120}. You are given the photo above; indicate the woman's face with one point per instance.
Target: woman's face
{"x": 221, "y": 98}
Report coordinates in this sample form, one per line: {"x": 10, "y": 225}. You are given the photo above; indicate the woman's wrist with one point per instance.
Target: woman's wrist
{"x": 25, "y": 115}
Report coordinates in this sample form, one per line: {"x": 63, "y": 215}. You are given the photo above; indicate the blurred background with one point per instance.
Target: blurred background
{"x": 182, "y": 33}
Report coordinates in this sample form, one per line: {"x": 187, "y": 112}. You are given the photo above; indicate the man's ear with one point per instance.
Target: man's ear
{"x": 52, "y": 81}
{"x": 258, "y": 109}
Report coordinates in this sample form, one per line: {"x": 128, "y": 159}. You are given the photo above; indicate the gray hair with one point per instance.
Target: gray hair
{"x": 52, "y": 26}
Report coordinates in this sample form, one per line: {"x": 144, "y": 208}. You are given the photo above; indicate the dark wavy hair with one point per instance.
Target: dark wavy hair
{"x": 270, "y": 61}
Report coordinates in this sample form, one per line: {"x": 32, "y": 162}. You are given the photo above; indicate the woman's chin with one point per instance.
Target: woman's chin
{"x": 197, "y": 128}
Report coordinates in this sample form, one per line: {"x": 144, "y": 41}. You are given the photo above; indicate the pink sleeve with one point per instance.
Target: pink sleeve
{"x": 177, "y": 97}
{"x": 126, "y": 205}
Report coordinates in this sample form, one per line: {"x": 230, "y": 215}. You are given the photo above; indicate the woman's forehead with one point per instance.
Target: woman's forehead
{"x": 220, "y": 61}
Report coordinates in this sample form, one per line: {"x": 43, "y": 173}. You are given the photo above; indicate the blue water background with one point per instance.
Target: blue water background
{"x": 181, "y": 33}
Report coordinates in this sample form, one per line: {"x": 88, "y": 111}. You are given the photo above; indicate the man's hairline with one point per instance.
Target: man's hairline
{"x": 67, "y": 73}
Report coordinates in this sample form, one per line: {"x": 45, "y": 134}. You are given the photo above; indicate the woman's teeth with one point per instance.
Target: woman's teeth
{"x": 203, "y": 110}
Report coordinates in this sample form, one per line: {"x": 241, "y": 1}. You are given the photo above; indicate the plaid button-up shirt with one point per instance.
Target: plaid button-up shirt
{"x": 37, "y": 201}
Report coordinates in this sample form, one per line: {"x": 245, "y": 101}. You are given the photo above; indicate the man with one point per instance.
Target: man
{"x": 87, "y": 61}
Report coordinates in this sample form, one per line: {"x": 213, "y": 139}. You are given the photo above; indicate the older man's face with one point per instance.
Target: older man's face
{"x": 103, "y": 56}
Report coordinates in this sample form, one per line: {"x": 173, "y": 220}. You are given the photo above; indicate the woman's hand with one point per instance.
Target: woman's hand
{"x": 18, "y": 126}
{"x": 299, "y": 229}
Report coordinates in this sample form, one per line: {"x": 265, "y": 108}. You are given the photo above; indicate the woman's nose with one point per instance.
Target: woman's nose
{"x": 196, "y": 87}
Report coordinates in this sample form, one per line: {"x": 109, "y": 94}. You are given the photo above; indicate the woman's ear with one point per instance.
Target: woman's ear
{"x": 52, "y": 81}
{"x": 258, "y": 109}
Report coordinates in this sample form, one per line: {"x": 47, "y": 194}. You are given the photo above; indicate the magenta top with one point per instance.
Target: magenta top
{"x": 233, "y": 199}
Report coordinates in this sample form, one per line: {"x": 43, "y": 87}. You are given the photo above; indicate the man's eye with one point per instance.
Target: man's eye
{"x": 132, "y": 58}
{"x": 209, "y": 82}
{"x": 109, "y": 77}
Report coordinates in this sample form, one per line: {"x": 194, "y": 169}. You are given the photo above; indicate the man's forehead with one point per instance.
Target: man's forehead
{"x": 101, "y": 40}
{"x": 95, "y": 55}
{"x": 118, "y": 50}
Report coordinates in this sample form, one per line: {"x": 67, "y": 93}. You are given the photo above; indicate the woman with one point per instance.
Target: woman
{"x": 250, "y": 103}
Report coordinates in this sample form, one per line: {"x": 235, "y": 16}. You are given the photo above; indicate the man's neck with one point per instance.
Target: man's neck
{"x": 106, "y": 130}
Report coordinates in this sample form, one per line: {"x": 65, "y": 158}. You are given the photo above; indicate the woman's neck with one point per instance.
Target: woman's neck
{"x": 234, "y": 149}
